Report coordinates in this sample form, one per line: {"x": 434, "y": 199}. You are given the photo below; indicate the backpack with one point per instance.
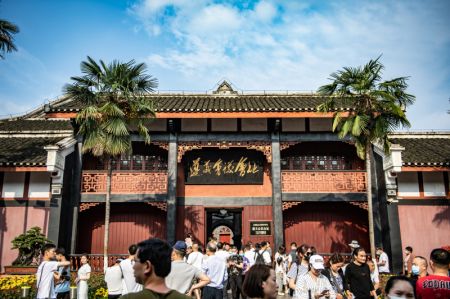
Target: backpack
{"x": 259, "y": 259}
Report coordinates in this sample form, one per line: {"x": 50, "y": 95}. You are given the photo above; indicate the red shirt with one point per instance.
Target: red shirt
{"x": 433, "y": 287}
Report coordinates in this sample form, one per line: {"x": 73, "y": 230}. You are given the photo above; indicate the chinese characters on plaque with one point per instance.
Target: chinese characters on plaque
{"x": 223, "y": 167}
{"x": 260, "y": 228}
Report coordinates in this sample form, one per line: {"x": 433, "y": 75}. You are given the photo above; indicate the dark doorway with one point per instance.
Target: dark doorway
{"x": 225, "y": 224}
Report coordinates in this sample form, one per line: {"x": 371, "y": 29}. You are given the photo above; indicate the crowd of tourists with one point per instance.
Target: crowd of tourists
{"x": 154, "y": 269}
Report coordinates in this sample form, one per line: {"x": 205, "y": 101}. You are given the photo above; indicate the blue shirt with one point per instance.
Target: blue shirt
{"x": 64, "y": 286}
{"x": 216, "y": 269}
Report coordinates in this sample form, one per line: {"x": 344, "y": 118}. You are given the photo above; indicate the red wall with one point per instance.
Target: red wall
{"x": 191, "y": 219}
{"x": 15, "y": 221}
{"x": 256, "y": 213}
{"x": 327, "y": 226}
{"x": 424, "y": 227}
{"x": 129, "y": 223}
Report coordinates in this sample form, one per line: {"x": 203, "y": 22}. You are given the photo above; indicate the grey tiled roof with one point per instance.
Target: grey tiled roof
{"x": 425, "y": 151}
{"x": 215, "y": 103}
{"x": 28, "y": 125}
{"x": 22, "y": 151}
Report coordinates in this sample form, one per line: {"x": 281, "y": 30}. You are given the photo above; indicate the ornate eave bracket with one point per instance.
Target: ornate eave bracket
{"x": 87, "y": 205}
{"x": 263, "y": 147}
{"x": 158, "y": 204}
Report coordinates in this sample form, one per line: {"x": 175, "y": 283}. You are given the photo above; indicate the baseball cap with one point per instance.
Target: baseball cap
{"x": 316, "y": 261}
{"x": 180, "y": 246}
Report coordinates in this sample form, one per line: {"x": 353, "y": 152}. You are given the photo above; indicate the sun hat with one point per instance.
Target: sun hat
{"x": 354, "y": 244}
{"x": 316, "y": 261}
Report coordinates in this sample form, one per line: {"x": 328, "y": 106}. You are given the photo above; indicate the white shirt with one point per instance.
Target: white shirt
{"x": 250, "y": 255}
{"x": 266, "y": 257}
{"x": 44, "y": 279}
{"x": 195, "y": 259}
{"x": 385, "y": 267}
{"x": 222, "y": 254}
{"x": 306, "y": 283}
{"x": 113, "y": 279}
{"x": 128, "y": 276}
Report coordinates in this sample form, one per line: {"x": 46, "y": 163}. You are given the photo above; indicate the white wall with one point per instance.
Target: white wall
{"x": 13, "y": 184}
{"x": 408, "y": 184}
{"x": 39, "y": 185}
{"x": 433, "y": 184}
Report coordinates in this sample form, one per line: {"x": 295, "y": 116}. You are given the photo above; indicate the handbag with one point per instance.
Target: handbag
{"x": 338, "y": 287}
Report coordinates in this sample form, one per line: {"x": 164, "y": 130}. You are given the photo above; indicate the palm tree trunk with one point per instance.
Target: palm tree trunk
{"x": 369, "y": 198}
{"x": 107, "y": 212}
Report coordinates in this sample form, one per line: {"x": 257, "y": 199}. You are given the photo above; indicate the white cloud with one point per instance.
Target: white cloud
{"x": 296, "y": 45}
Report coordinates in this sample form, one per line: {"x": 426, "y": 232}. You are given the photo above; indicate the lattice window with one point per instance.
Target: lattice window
{"x": 325, "y": 163}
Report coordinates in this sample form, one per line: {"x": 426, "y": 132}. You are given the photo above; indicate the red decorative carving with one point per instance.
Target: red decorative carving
{"x": 158, "y": 204}
{"x": 287, "y": 144}
{"x": 289, "y": 204}
{"x": 163, "y": 145}
{"x": 93, "y": 181}
{"x": 126, "y": 182}
{"x": 263, "y": 147}
{"x": 323, "y": 181}
{"x": 360, "y": 204}
{"x": 87, "y": 205}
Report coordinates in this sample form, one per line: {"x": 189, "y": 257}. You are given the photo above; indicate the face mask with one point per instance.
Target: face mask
{"x": 415, "y": 270}
{"x": 395, "y": 297}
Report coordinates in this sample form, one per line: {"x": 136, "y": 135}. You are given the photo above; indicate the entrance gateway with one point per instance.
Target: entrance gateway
{"x": 225, "y": 224}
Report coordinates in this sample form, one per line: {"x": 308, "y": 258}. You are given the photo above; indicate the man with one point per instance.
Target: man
{"x": 269, "y": 249}
{"x": 436, "y": 285}
{"x": 215, "y": 268}
{"x": 151, "y": 266}
{"x": 249, "y": 254}
{"x": 113, "y": 279}
{"x": 224, "y": 255}
{"x": 299, "y": 267}
{"x": 314, "y": 284}
{"x": 183, "y": 274}
{"x": 62, "y": 277}
{"x": 383, "y": 261}
{"x": 407, "y": 262}
{"x": 46, "y": 273}
{"x": 129, "y": 283}
{"x": 418, "y": 269}
{"x": 236, "y": 268}
{"x": 265, "y": 254}
{"x": 374, "y": 277}
{"x": 196, "y": 257}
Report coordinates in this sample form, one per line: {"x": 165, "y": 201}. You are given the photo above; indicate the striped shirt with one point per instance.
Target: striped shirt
{"x": 316, "y": 285}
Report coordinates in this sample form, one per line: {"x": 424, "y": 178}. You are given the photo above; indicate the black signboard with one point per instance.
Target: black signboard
{"x": 223, "y": 167}
{"x": 260, "y": 228}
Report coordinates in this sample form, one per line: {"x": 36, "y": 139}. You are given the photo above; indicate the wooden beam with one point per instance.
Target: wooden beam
{"x": 23, "y": 168}
{"x": 424, "y": 168}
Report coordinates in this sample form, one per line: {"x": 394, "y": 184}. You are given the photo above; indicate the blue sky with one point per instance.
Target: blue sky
{"x": 257, "y": 45}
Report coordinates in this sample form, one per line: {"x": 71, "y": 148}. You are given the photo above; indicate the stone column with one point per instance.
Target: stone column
{"x": 172, "y": 188}
{"x": 277, "y": 208}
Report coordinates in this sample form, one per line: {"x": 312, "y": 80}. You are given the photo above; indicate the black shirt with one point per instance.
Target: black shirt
{"x": 358, "y": 279}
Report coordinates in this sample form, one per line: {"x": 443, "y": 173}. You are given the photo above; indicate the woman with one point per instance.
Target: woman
{"x": 260, "y": 282}
{"x": 280, "y": 269}
{"x": 84, "y": 273}
{"x": 399, "y": 287}
{"x": 336, "y": 276}
{"x": 357, "y": 276}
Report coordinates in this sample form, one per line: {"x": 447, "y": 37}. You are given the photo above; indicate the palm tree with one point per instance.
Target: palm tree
{"x": 378, "y": 108}
{"x": 115, "y": 104}
{"x": 7, "y": 30}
